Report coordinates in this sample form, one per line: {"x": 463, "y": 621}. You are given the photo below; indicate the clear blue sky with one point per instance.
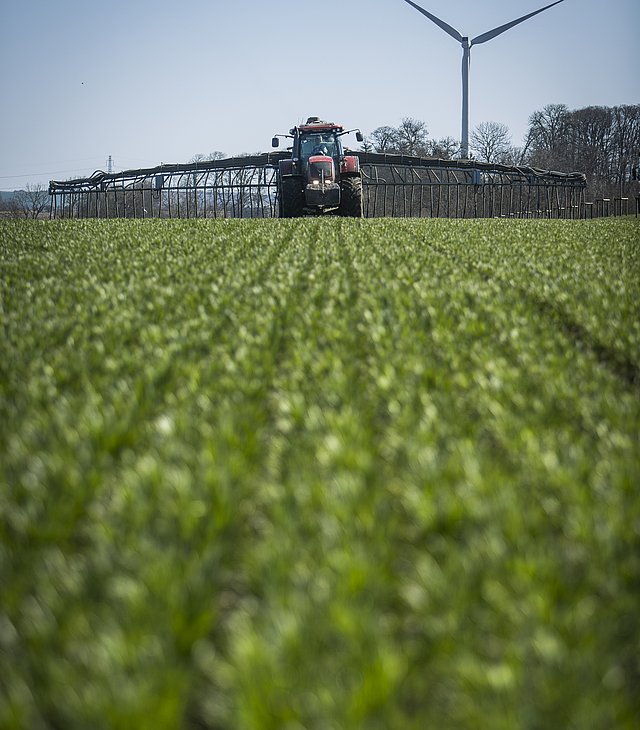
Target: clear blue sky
{"x": 151, "y": 81}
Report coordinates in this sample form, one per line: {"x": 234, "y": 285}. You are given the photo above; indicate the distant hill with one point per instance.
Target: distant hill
{"x": 6, "y": 196}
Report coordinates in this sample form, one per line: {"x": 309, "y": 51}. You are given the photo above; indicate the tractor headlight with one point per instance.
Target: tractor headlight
{"x": 316, "y": 182}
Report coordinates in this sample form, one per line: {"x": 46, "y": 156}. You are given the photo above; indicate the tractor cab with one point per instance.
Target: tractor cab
{"x": 317, "y": 139}
{"x": 319, "y": 155}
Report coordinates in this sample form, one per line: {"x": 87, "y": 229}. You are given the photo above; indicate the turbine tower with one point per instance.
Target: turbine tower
{"x": 466, "y": 58}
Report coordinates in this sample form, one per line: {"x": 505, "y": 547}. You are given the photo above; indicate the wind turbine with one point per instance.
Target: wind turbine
{"x": 466, "y": 58}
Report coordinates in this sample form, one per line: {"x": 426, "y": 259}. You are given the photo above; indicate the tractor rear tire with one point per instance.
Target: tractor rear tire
{"x": 351, "y": 197}
{"x": 291, "y": 203}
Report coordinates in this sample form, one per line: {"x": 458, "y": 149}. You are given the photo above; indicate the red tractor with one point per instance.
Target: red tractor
{"x": 319, "y": 178}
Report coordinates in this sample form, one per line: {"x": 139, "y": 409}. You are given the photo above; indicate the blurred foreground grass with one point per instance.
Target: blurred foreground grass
{"x": 319, "y": 474}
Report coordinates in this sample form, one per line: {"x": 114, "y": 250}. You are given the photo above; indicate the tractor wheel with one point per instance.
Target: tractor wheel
{"x": 291, "y": 203}
{"x": 351, "y": 197}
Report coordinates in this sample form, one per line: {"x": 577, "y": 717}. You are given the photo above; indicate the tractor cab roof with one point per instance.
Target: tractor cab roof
{"x": 317, "y": 126}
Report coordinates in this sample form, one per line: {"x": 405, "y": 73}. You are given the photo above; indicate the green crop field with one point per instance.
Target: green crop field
{"x": 320, "y": 474}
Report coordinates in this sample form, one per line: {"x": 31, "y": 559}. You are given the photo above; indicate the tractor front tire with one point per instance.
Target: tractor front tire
{"x": 291, "y": 203}
{"x": 351, "y": 197}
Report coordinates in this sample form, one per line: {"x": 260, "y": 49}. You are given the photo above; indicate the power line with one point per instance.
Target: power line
{"x": 53, "y": 172}
{"x": 75, "y": 169}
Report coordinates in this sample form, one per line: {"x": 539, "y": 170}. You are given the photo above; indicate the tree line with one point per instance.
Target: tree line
{"x": 603, "y": 142}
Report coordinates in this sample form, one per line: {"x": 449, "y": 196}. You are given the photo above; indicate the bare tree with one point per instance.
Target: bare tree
{"x": 31, "y": 202}
{"x": 412, "y": 137}
{"x": 514, "y": 156}
{"x": 409, "y": 138}
{"x": 627, "y": 144}
{"x": 491, "y": 142}
{"x": 384, "y": 139}
{"x": 591, "y": 141}
{"x": 546, "y": 141}
{"x": 444, "y": 149}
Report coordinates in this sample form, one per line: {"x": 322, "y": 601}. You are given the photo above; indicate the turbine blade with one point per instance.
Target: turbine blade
{"x": 507, "y": 26}
{"x": 445, "y": 26}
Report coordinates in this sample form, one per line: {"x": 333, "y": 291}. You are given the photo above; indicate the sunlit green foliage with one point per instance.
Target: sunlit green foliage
{"x": 319, "y": 474}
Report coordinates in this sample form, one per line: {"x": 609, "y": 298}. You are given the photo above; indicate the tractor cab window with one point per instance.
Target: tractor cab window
{"x": 319, "y": 144}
